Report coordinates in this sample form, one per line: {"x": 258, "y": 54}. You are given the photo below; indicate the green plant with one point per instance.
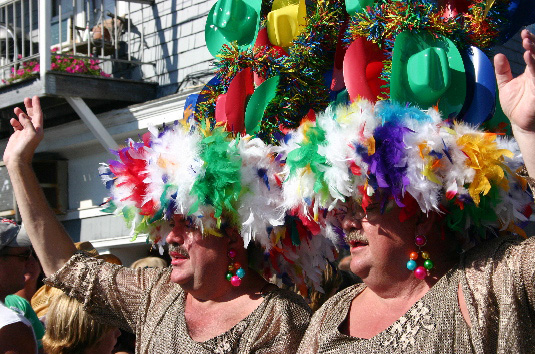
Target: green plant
{"x": 65, "y": 63}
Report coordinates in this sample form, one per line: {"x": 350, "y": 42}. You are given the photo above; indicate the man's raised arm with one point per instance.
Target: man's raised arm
{"x": 49, "y": 239}
{"x": 517, "y": 97}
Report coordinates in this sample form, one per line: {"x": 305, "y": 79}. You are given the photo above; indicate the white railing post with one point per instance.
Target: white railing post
{"x": 45, "y": 14}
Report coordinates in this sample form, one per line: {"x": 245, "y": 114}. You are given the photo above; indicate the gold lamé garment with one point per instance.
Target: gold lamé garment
{"x": 145, "y": 302}
{"x": 497, "y": 280}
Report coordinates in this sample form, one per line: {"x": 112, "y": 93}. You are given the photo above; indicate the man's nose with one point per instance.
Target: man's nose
{"x": 352, "y": 221}
{"x": 175, "y": 236}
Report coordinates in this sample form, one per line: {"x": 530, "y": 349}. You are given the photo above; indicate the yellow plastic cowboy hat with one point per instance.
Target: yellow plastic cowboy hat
{"x": 285, "y": 21}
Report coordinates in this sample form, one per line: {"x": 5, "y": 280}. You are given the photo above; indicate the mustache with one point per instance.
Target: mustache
{"x": 356, "y": 236}
{"x": 178, "y": 249}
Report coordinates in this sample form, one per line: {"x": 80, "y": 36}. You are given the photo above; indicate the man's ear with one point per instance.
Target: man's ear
{"x": 235, "y": 239}
{"x": 426, "y": 223}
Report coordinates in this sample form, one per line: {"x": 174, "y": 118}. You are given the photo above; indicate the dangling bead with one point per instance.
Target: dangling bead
{"x": 420, "y": 240}
{"x": 411, "y": 265}
{"x": 240, "y": 273}
{"x": 420, "y": 273}
{"x": 428, "y": 264}
{"x": 235, "y": 281}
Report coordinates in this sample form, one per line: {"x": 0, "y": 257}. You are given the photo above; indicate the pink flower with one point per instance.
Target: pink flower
{"x": 36, "y": 68}
{"x": 19, "y": 56}
{"x": 54, "y": 66}
{"x": 69, "y": 69}
{"x": 55, "y": 49}
{"x": 20, "y": 72}
{"x": 58, "y": 57}
{"x": 104, "y": 74}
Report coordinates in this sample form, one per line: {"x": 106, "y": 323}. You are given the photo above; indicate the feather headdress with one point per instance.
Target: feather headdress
{"x": 305, "y": 148}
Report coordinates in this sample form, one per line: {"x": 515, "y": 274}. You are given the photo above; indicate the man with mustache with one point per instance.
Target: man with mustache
{"x": 208, "y": 301}
{"x": 456, "y": 277}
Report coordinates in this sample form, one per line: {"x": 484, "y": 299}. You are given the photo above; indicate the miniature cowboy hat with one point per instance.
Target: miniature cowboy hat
{"x": 355, "y": 6}
{"x": 262, "y": 41}
{"x": 427, "y": 70}
{"x": 480, "y": 102}
{"x": 258, "y": 103}
{"x": 194, "y": 100}
{"x": 230, "y": 107}
{"x": 285, "y": 22}
{"x": 232, "y": 21}
{"x": 363, "y": 65}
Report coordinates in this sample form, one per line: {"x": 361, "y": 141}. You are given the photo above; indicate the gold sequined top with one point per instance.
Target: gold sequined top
{"x": 146, "y": 303}
{"x": 498, "y": 282}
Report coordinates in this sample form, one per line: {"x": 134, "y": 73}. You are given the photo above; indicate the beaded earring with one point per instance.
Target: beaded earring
{"x": 235, "y": 279}
{"x": 419, "y": 271}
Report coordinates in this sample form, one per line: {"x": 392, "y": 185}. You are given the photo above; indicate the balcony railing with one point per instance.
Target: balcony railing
{"x": 74, "y": 36}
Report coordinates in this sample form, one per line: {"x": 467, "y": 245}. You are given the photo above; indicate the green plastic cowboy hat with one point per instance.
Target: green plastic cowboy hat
{"x": 427, "y": 70}
{"x": 355, "y": 6}
{"x": 232, "y": 21}
{"x": 258, "y": 103}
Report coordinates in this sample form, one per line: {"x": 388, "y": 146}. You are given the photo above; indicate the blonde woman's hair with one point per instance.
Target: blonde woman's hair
{"x": 69, "y": 328}
{"x": 152, "y": 262}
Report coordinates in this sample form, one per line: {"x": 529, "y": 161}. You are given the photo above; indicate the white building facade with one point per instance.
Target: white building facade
{"x": 160, "y": 45}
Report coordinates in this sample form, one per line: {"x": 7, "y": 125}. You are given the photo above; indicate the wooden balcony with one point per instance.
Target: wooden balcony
{"x": 100, "y": 94}
{"x": 31, "y": 31}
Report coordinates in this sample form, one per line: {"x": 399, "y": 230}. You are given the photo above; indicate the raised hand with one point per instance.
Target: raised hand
{"x": 517, "y": 96}
{"x": 49, "y": 239}
{"x": 28, "y": 132}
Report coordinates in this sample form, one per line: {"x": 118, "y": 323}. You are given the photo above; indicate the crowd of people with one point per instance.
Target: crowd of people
{"x": 69, "y": 327}
{"x": 437, "y": 254}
